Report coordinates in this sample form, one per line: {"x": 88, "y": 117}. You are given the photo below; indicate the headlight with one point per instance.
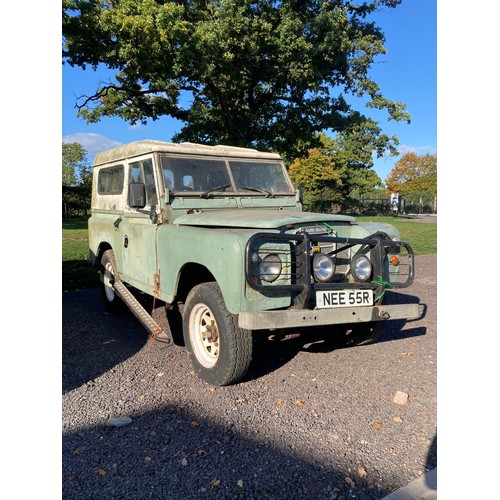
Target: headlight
{"x": 361, "y": 268}
{"x": 270, "y": 267}
{"x": 323, "y": 267}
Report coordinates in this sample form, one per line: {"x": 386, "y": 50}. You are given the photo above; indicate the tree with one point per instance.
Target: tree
{"x": 414, "y": 175}
{"x": 332, "y": 173}
{"x": 254, "y": 73}
{"x": 76, "y": 179}
{"x": 318, "y": 176}
{"x": 74, "y": 164}
{"x": 352, "y": 152}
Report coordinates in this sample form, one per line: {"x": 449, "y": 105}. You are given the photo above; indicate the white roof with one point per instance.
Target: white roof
{"x": 149, "y": 146}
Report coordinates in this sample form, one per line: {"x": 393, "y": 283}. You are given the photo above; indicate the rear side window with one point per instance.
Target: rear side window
{"x": 110, "y": 180}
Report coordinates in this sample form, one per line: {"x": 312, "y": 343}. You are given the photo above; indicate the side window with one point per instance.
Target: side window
{"x": 135, "y": 173}
{"x": 188, "y": 183}
{"x": 142, "y": 171}
{"x": 110, "y": 180}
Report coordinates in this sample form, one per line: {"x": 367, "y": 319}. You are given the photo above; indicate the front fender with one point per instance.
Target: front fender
{"x": 219, "y": 251}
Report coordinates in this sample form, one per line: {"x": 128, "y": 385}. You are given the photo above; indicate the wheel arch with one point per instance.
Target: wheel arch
{"x": 103, "y": 246}
{"x": 190, "y": 275}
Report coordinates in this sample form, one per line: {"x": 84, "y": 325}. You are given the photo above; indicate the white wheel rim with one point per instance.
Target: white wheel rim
{"x": 108, "y": 282}
{"x": 204, "y": 335}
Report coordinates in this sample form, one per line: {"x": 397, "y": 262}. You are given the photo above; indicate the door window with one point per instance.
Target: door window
{"x": 142, "y": 171}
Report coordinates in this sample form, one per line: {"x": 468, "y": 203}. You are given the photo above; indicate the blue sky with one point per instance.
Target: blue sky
{"x": 407, "y": 73}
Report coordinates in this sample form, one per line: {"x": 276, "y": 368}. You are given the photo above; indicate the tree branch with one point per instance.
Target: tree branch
{"x": 102, "y": 92}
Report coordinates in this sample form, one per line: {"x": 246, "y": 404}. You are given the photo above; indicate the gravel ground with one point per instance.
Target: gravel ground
{"x": 310, "y": 420}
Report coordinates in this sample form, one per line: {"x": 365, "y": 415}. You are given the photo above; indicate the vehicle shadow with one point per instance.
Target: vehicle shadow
{"x": 111, "y": 339}
{"x": 106, "y": 339}
{"x": 432, "y": 455}
{"x": 78, "y": 274}
{"x": 272, "y": 350}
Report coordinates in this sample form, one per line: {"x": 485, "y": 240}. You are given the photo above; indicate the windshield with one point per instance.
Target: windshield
{"x": 195, "y": 175}
{"x": 267, "y": 177}
{"x": 207, "y": 177}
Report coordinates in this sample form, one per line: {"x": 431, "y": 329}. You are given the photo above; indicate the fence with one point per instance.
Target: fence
{"x": 75, "y": 201}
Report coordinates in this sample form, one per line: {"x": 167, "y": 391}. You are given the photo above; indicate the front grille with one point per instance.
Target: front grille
{"x": 341, "y": 256}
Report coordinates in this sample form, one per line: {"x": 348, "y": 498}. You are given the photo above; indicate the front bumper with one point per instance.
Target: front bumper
{"x": 293, "y": 318}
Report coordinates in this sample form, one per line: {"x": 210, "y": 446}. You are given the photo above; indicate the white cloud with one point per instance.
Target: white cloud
{"x": 92, "y": 143}
{"x": 419, "y": 150}
{"x": 137, "y": 126}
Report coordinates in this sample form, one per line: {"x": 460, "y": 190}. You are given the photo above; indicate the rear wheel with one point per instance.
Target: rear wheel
{"x": 219, "y": 350}
{"x": 357, "y": 334}
{"x": 364, "y": 333}
{"x": 112, "y": 302}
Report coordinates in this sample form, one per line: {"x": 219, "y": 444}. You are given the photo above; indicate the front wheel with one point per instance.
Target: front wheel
{"x": 219, "y": 350}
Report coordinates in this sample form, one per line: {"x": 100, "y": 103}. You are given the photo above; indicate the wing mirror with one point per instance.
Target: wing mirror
{"x": 137, "y": 195}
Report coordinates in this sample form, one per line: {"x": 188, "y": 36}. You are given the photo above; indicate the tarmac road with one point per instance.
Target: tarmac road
{"x": 308, "y": 421}
{"x": 429, "y": 218}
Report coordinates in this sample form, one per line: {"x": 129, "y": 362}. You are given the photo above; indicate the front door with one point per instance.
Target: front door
{"x": 139, "y": 232}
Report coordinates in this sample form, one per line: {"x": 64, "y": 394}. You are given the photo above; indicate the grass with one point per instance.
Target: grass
{"x": 421, "y": 236}
{"x": 77, "y": 270}
{"x": 78, "y": 273}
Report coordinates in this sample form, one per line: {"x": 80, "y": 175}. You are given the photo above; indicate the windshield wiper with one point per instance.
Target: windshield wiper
{"x": 216, "y": 188}
{"x": 257, "y": 190}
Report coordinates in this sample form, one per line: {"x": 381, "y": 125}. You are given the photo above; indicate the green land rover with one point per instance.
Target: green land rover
{"x": 216, "y": 237}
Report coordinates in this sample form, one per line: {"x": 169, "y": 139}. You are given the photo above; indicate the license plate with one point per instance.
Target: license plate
{"x": 343, "y": 298}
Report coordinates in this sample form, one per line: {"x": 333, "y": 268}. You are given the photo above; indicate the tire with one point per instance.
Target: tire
{"x": 364, "y": 333}
{"x": 357, "y": 334}
{"x": 111, "y": 300}
{"x": 219, "y": 350}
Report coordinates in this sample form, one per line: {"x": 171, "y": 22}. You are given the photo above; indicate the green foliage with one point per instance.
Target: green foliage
{"x": 76, "y": 179}
{"x": 318, "y": 176}
{"x": 263, "y": 74}
{"x": 75, "y": 200}
{"x": 74, "y": 164}
{"x": 336, "y": 172}
{"x": 414, "y": 176}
